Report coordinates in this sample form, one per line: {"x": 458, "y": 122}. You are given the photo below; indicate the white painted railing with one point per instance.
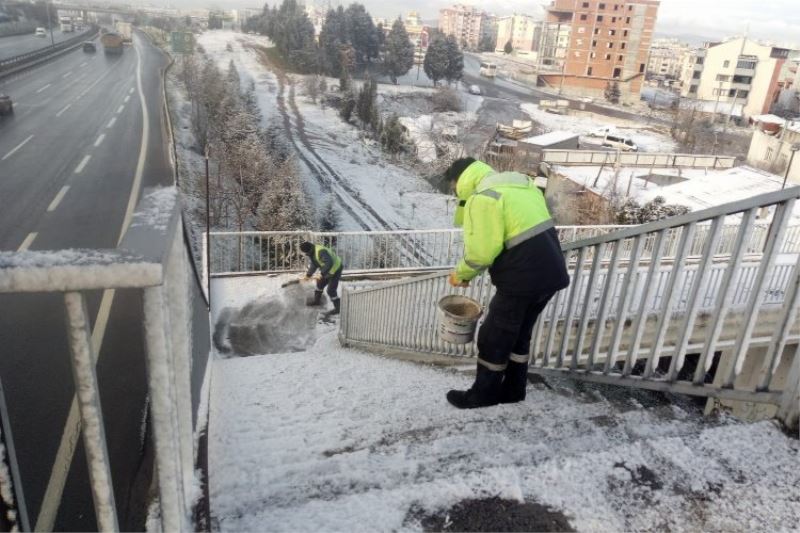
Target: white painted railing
{"x": 623, "y": 319}
{"x": 636, "y": 159}
{"x": 154, "y": 259}
{"x": 361, "y": 251}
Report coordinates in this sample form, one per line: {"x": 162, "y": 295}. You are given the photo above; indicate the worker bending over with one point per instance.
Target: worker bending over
{"x": 330, "y": 269}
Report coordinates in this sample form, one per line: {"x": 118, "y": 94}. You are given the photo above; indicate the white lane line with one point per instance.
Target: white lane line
{"x": 120, "y": 108}
{"x": 67, "y": 75}
{"x": 82, "y": 164}
{"x": 63, "y": 109}
{"x": 127, "y": 98}
{"x": 111, "y": 122}
{"x": 69, "y": 439}
{"x": 40, "y": 89}
{"x": 82, "y": 64}
{"x": 131, "y": 90}
{"x": 27, "y": 242}
{"x": 57, "y": 199}
{"x": 99, "y": 140}
{"x": 17, "y": 147}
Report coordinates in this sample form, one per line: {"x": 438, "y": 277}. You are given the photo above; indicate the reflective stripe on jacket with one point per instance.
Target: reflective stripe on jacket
{"x": 501, "y": 211}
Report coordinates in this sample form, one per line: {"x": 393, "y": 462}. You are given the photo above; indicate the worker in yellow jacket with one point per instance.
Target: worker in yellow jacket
{"x": 509, "y": 232}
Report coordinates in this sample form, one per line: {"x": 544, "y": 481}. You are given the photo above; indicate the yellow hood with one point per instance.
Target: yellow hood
{"x": 467, "y": 183}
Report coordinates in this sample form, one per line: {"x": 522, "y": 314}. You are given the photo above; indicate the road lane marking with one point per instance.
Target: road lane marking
{"x": 27, "y": 242}
{"x": 82, "y": 164}
{"x": 82, "y": 64}
{"x": 57, "y": 200}
{"x": 69, "y": 439}
{"x": 17, "y": 147}
{"x": 43, "y": 88}
{"x": 99, "y": 140}
{"x": 63, "y": 109}
{"x": 67, "y": 75}
{"x": 127, "y": 98}
{"x": 119, "y": 109}
{"x": 131, "y": 90}
{"x": 111, "y": 122}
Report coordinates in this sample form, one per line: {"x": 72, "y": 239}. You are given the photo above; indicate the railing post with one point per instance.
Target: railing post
{"x": 93, "y": 428}
{"x": 789, "y": 410}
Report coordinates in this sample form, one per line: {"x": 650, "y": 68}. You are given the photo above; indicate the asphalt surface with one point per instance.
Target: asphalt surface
{"x": 21, "y": 44}
{"x": 68, "y": 159}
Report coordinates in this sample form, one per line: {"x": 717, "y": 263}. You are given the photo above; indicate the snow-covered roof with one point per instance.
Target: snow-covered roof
{"x": 711, "y": 106}
{"x": 695, "y": 188}
{"x": 546, "y": 139}
{"x": 768, "y": 119}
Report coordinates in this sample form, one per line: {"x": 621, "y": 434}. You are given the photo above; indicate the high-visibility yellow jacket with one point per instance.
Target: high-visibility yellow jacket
{"x": 501, "y": 211}
{"x": 326, "y": 260}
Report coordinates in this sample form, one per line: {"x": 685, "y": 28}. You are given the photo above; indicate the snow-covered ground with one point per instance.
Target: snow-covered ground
{"x": 589, "y": 124}
{"x": 377, "y": 193}
{"x": 332, "y": 439}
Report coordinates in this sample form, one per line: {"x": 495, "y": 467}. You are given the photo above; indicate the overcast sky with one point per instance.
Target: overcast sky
{"x": 776, "y": 20}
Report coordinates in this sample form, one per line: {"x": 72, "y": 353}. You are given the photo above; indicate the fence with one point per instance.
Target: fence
{"x": 19, "y": 62}
{"x": 628, "y": 323}
{"x": 269, "y": 252}
{"x": 154, "y": 261}
{"x": 636, "y": 159}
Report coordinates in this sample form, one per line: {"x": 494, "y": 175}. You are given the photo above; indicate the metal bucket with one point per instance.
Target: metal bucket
{"x": 458, "y": 318}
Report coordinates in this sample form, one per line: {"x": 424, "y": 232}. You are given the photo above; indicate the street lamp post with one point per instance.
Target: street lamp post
{"x": 793, "y": 148}
{"x": 50, "y": 24}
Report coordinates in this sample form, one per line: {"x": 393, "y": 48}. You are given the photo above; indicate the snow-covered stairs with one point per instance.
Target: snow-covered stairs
{"x": 337, "y": 440}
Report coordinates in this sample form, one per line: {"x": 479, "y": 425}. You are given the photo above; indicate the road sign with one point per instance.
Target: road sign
{"x": 182, "y": 42}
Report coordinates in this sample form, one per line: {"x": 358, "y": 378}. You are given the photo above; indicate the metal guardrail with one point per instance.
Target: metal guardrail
{"x": 153, "y": 258}
{"x": 623, "y": 322}
{"x": 636, "y": 159}
{"x": 16, "y": 63}
{"x": 261, "y": 252}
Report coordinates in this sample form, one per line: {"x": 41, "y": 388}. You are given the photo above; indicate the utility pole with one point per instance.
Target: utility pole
{"x": 208, "y": 233}
{"x": 793, "y": 149}
{"x": 50, "y": 24}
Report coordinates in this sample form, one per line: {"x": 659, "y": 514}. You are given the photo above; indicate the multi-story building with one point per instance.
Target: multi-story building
{"x": 774, "y": 145}
{"x": 667, "y": 58}
{"x": 417, "y": 31}
{"x": 465, "y": 23}
{"x": 738, "y": 71}
{"x": 524, "y": 32}
{"x": 589, "y": 44}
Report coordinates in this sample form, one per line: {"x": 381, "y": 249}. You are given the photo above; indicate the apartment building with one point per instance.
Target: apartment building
{"x": 524, "y": 32}
{"x": 738, "y": 71}
{"x": 587, "y": 44}
{"x": 668, "y": 58}
{"x": 465, "y": 23}
{"x": 774, "y": 145}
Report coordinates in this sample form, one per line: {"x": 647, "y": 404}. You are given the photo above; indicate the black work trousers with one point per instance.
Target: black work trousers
{"x": 332, "y": 282}
{"x": 508, "y": 326}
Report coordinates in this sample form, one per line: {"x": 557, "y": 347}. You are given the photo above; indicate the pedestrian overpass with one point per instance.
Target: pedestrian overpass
{"x": 703, "y": 304}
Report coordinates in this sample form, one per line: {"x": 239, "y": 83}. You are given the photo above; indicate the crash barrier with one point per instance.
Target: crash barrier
{"x": 16, "y": 63}
{"x": 636, "y": 159}
{"x": 263, "y": 252}
{"x": 151, "y": 267}
{"x": 631, "y": 322}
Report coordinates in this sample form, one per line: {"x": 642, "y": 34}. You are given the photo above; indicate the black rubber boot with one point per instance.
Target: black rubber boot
{"x": 316, "y": 300}
{"x": 515, "y": 381}
{"x": 337, "y": 304}
{"x": 484, "y": 392}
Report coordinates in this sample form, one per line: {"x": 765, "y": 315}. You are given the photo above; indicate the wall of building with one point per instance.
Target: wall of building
{"x": 773, "y": 153}
{"x": 523, "y": 31}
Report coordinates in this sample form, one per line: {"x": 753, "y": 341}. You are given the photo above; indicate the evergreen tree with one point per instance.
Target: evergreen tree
{"x": 455, "y": 61}
{"x": 612, "y": 92}
{"x": 393, "y": 136}
{"x": 361, "y": 33}
{"x": 331, "y": 38}
{"x": 486, "y": 44}
{"x": 367, "y": 103}
{"x": 508, "y": 48}
{"x": 329, "y": 218}
{"x": 436, "y": 59}
{"x": 233, "y": 80}
{"x": 348, "y": 105}
{"x": 399, "y": 54}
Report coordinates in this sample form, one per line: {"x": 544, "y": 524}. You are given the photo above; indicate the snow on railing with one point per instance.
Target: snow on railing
{"x": 634, "y": 159}
{"x": 362, "y": 251}
{"x": 631, "y": 322}
{"x": 160, "y": 269}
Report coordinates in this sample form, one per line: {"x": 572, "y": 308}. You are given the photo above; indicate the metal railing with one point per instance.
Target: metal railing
{"x": 269, "y": 252}
{"x": 18, "y": 62}
{"x": 629, "y": 322}
{"x": 154, "y": 259}
{"x": 636, "y": 159}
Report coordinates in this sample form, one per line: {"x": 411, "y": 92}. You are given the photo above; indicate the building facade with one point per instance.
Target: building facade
{"x": 522, "y": 31}
{"x": 668, "y": 58}
{"x": 465, "y": 23}
{"x": 738, "y": 71}
{"x": 587, "y": 45}
{"x": 774, "y": 147}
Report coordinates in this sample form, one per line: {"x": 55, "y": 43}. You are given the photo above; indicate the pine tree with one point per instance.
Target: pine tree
{"x": 329, "y": 218}
{"x": 455, "y": 61}
{"x": 393, "y": 136}
{"x": 508, "y": 48}
{"x": 612, "y": 92}
{"x": 399, "y": 55}
{"x": 233, "y": 80}
{"x": 367, "y": 102}
{"x": 436, "y": 59}
{"x": 348, "y": 105}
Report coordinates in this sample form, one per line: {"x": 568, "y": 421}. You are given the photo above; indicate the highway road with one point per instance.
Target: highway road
{"x": 85, "y": 139}
{"x": 21, "y": 44}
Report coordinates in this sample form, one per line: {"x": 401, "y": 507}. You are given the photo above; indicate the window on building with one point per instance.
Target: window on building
{"x": 620, "y": 57}
{"x": 723, "y": 77}
{"x": 581, "y": 29}
{"x": 609, "y": 45}
{"x": 608, "y": 57}
{"x": 624, "y": 33}
{"x": 612, "y": 32}
{"x": 616, "y": 7}
{"x": 726, "y": 64}
{"x": 586, "y": 4}
{"x": 627, "y": 20}
{"x": 597, "y": 31}
{"x": 622, "y": 45}
{"x": 743, "y": 79}
{"x": 630, "y": 8}
{"x": 768, "y": 155}
{"x": 579, "y": 42}
{"x": 746, "y": 64}
{"x": 613, "y": 19}
{"x": 692, "y": 88}
{"x": 696, "y": 75}
{"x": 641, "y": 67}
{"x": 594, "y": 44}
{"x": 699, "y": 61}
{"x": 599, "y": 18}
{"x": 589, "y": 71}
{"x": 617, "y": 72}
{"x": 601, "y": 6}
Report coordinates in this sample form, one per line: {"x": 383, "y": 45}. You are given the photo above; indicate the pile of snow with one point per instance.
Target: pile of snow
{"x": 337, "y": 440}
{"x": 590, "y": 126}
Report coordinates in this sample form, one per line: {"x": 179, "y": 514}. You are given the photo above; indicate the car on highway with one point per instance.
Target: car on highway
{"x": 620, "y": 143}
{"x": 40, "y": 32}
{"x": 474, "y": 89}
{"x": 89, "y": 46}
{"x": 6, "y": 105}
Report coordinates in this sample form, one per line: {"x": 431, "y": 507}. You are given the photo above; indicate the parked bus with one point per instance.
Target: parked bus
{"x": 489, "y": 70}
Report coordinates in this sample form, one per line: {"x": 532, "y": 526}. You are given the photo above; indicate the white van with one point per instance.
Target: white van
{"x": 40, "y": 32}
{"x": 620, "y": 143}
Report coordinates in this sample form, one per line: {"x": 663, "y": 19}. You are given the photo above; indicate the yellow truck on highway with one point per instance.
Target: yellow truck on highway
{"x": 112, "y": 43}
